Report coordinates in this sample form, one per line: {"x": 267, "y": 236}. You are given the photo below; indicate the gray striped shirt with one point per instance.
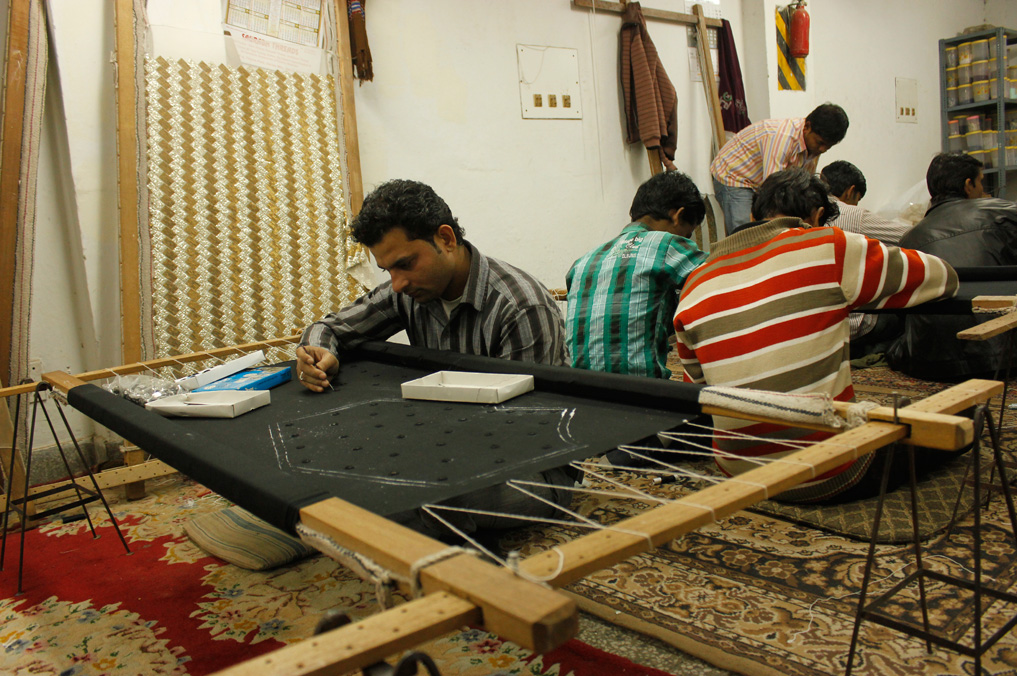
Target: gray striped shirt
{"x": 504, "y": 313}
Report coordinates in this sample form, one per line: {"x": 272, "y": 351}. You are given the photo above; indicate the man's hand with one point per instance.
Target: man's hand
{"x": 314, "y": 367}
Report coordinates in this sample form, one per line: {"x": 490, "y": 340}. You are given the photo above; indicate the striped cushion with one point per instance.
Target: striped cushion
{"x": 238, "y": 537}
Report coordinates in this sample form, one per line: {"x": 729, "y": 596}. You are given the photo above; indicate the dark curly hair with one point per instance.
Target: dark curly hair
{"x": 410, "y": 205}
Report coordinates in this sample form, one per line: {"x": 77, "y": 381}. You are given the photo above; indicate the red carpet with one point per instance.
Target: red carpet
{"x": 167, "y": 608}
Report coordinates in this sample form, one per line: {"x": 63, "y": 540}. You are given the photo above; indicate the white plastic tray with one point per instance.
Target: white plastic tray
{"x": 213, "y": 404}
{"x": 477, "y": 388}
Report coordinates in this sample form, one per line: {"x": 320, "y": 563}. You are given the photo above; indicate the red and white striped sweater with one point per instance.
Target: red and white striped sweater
{"x": 768, "y": 310}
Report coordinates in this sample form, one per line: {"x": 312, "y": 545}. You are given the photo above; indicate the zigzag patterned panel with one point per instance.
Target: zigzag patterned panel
{"x": 246, "y": 213}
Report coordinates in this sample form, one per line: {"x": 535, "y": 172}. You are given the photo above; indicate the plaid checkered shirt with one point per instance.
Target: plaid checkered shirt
{"x": 762, "y": 149}
{"x": 622, "y": 300}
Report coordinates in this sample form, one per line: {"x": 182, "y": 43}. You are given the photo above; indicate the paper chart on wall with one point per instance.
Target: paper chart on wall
{"x": 298, "y": 21}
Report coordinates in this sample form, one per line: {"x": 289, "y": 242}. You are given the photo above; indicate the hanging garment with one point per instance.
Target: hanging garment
{"x": 733, "y": 109}
{"x": 359, "y": 49}
{"x": 651, "y": 105}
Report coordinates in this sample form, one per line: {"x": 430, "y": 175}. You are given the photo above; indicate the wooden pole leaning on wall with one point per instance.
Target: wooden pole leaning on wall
{"x": 11, "y": 133}
{"x": 128, "y": 163}
{"x": 348, "y": 114}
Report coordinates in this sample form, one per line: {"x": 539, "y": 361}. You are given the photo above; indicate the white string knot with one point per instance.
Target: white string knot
{"x": 858, "y": 413}
{"x": 366, "y": 568}
{"x": 430, "y": 560}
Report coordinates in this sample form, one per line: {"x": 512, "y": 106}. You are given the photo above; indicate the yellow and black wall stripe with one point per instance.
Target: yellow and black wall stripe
{"x": 790, "y": 71}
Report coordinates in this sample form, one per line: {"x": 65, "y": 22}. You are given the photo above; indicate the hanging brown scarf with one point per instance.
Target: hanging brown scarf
{"x": 359, "y": 49}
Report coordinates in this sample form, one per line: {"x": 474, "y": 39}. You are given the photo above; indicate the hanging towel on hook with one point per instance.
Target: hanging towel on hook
{"x": 732, "y": 92}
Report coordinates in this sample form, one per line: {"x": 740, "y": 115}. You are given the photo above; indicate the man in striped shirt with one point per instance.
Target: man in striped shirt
{"x": 768, "y": 310}
{"x": 623, "y": 294}
{"x": 769, "y": 146}
{"x": 447, "y": 296}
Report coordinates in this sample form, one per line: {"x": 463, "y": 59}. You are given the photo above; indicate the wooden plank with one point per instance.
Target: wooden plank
{"x": 127, "y": 180}
{"x": 709, "y": 83}
{"x": 111, "y": 478}
{"x": 653, "y": 157}
{"x": 62, "y": 381}
{"x": 960, "y": 397}
{"x": 525, "y": 612}
{"x": 6, "y": 451}
{"x": 133, "y": 456}
{"x": 15, "y": 81}
{"x": 943, "y": 432}
{"x": 58, "y": 378}
{"x": 994, "y": 302}
{"x": 991, "y": 328}
{"x": 349, "y": 113}
{"x": 931, "y": 430}
{"x": 648, "y": 12}
{"x": 355, "y": 646}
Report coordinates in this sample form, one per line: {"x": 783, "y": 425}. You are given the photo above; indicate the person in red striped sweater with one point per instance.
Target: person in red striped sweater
{"x": 769, "y": 310}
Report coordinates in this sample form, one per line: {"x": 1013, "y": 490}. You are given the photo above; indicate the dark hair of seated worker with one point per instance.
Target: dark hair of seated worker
{"x": 841, "y": 176}
{"x": 794, "y": 192}
{"x": 661, "y": 195}
{"x": 410, "y": 205}
{"x": 949, "y": 173}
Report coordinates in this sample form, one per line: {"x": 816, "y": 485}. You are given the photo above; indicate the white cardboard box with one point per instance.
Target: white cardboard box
{"x": 213, "y": 404}
{"x": 476, "y": 388}
{"x": 214, "y": 373}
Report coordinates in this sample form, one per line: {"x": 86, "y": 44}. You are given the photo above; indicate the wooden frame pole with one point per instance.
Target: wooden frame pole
{"x": 15, "y": 81}
{"x": 125, "y": 89}
{"x": 348, "y": 114}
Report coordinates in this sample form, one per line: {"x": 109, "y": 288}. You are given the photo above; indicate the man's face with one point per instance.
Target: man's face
{"x": 814, "y": 143}
{"x": 415, "y": 266}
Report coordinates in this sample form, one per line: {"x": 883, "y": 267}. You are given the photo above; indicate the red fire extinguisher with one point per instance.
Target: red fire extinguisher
{"x": 800, "y": 31}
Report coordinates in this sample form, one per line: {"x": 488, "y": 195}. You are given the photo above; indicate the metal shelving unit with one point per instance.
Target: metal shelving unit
{"x": 996, "y": 176}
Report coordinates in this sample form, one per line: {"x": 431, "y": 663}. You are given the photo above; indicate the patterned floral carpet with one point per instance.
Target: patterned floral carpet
{"x": 168, "y": 608}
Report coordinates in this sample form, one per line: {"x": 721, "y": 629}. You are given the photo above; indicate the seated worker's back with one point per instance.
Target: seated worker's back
{"x": 623, "y": 294}
{"x": 965, "y": 229}
{"x": 769, "y": 310}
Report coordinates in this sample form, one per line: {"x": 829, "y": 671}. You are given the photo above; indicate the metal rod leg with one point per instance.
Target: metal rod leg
{"x": 870, "y": 559}
{"x": 10, "y": 483}
{"x": 67, "y": 467}
{"x": 28, "y": 473}
{"x": 95, "y": 484}
{"x": 918, "y": 546}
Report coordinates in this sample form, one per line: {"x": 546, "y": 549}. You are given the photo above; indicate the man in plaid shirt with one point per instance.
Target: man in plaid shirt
{"x": 622, "y": 295}
{"x": 767, "y": 147}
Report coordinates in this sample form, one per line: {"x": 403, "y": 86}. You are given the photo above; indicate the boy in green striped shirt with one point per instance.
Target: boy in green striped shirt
{"x": 622, "y": 295}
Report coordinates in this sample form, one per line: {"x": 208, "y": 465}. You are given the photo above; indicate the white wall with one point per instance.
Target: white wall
{"x": 1001, "y": 13}
{"x": 857, "y": 49}
{"x": 444, "y": 109}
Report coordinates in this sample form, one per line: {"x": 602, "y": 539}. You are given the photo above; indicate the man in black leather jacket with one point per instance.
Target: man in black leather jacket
{"x": 966, "y": 229}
